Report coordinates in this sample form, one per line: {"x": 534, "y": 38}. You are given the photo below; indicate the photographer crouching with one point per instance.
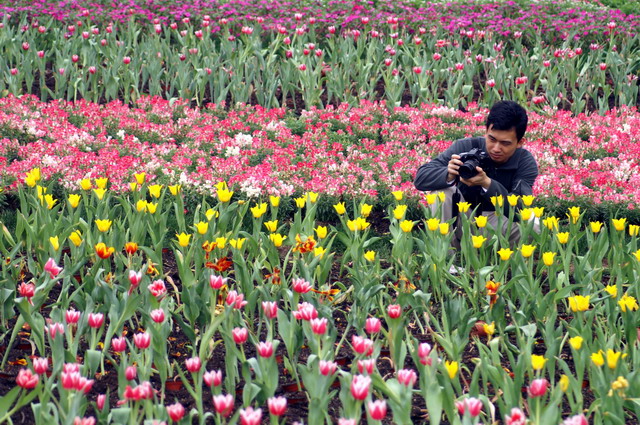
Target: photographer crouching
{"x": 478, "y": 168}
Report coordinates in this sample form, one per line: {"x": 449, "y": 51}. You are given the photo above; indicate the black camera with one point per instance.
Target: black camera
{"x": 472, "y": 159}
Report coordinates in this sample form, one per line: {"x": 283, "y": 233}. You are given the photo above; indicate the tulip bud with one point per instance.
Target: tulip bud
{"x": 157, "y": 315}
{"x": 126, "y": 60}
{"x": 372, "y": 325}
{"x": 377, "y": 409}
{"x": 240, "y": 335}
{"x": 95, "y": 320}
{"x": 119, "y": 344}
{"x": 175, "y": 411}
{"x": 131, "y": 372}
{"x": 277, "y": 405}
{"x": 538, "y": 387}
{"x": 213, "y": 378}
{"x": 193, "y": 364}
{"x": 223, "y": 404}
{"x": 40, "y": 365}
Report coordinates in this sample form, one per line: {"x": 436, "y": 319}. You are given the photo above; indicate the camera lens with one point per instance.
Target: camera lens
{"x": 468, "y": 169}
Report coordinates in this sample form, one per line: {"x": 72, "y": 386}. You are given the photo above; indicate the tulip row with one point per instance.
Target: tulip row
{"x": 343, "y": 153}
{"x": 344, "y": 65}
{"x": 555, "y": 315}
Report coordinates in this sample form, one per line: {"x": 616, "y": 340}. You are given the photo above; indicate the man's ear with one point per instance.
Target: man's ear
{"x": 521, "y": 142}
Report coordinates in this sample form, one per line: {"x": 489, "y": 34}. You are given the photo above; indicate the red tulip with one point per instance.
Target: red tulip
{"x": 240, "y": 335}
{"x": 95, "y": 320}
{"x": 377, "y": 409}
{"x": 142, "y": 340}
{"x": 270, "y": 309}
{"x": 250, "y": 416}
{"x": 27, "y": 290}
{"x": 223, "y": 404}
{"x": 319, "y": 326}
{"x": 277, "y": 405}
{"x": 26, "y": 379}
{"x": 372, "y": 325}
{"x": 126, "y": 60}
{"x": 360, "y": 387}
{"x": 538, "y": 387}
{"x": 131, "y": 372}
{"x": 213, "y": 378}
{"x": 193, "y": 364}
{"x": 175, "y": 411}
{"x": 265, "y": 349}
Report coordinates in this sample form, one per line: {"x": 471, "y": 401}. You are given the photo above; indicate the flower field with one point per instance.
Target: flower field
{"x": 207, "y": 215}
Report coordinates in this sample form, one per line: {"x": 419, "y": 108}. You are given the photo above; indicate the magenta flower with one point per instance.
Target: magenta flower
{"x": 26, "y": 379}
{"x": 193, "y": 364}
{"x": 538, "y": 387}
{"x": 300, "y": 286}
{"x": 142, "y": 340}
{"x": 40, "y": 365}
{"x": 27, "y": 290}
{"x": 270, "y": 309}
{"x": 360, "y": 387}
{"x": 223, "y": 404}
{"x": 319, "y": 326}
{"x": 72, "y": 316}
{"x": 52, "y": 268}
{"x": 377, "y": 409}
{"x": 131, "y": 372}
{"x": 471, "y": 405}
{"x": 157, "y": 315}
{"x": 394, "y": 311}
{"x": 95, "y": 320}
{"x": 250, "y": 416}
{"x": 277, "y": 405}
{"x": 372, "y": 325}
{"x": 213, "y": 378}
{"x": 327, "y": 367}
{"x": 240, "y": 335}
{"x": 265, "y": 349}
{"x": 217, "y": 282}
{"x": 407, "y": 377}
{"x": 119, "y": 344}
{"x": 366, "y": 366}
{"x": 175, "y": 411}
{"x": 517, "y": 417}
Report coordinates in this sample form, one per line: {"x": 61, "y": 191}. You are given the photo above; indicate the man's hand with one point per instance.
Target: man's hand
{"x": 453, "y": 166}
{"x": 480, "y": 179}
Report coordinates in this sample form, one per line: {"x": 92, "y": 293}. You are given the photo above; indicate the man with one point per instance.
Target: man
{"x": 507, "y": 169}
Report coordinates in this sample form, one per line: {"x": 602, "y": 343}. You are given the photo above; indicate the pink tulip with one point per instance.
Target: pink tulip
{"x": 491, "y": 83}
{"x": 25, "y": 46}
{"x": 517, "y": 417}
{"x": 277, "y": 405}
{"x": 394, "y": 311}
{"x": 14, "y": 71}
{"x": 75, "y": 58}
{"x": 362, "y": 345}
{"x": 327, "y": 367}
{"x": 407, "y": 377}
{"x": 250, "y": 416}
{"x": 388, "y": 61}
{"x": 134, "y": 278}
{"x": 223, "y": 404}
{"x": 603, "y": 66}
{"x": 470, "y": 404}
{"x": 142, "y": 340}
{"x": 50, "y": 266}
{"x": 377, "y": 409}
{"x": 360, "y": 387}
{"x": 100, "y": 401}
{"x": 576, "y": 420}
{"x": 193, "y": 364}
{"x": 437, "y": 56}
{"x": 546, "y": 64}
{"x": 71, "y": 368}
{"x": 40, "y": 365}
{"x": 366, "y": 366}
{"x": 459, "y": 66}
{"x": 72, "y": 316}
{"x": 344, "y": 421}
{"x": 372, "y": 325}
{"x": 131, "y": 372}
{"x": 424, "y": 351}
{"x": 53, "y": 329}
{"x": 175, "y": 411}
{"x": 26, "y": 379}
{"x": 157, "y": 315}
{"x": 270, "y": 309}
{"x": 158, "y": 288}
{"x": 217, "y": 282}
{"x": 95, "y": 320}
{"x": 126, "y": 60}
{"x": 538, "y": 387}
{"x": 40, "y": 54}
{"x": 144, "y": 391}
{"x": 84, "y": 421}
{"x": 213, "y": 378}
{"x": 265, "y": 349}
{"x": 299, "y": 285}
{"x": 417, "y": 70}
{"x": 240, "y": 335}
{"x": 119, "y": 344}
{"x": 27, "y": 290}
{"x": 318, "y": 326}
{"x": 305, "y": 311}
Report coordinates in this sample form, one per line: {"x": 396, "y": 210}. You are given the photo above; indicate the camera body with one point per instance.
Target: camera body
{"x": 474, "y": 158}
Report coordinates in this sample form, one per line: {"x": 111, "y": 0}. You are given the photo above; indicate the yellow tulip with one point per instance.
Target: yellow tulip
{"x": 140, "y": 177}
{"x": 481, "y": 220}
{"x": 221, "y": 185}
{"x": 433, "y": 224}
{"x": 301, "y": 202}
{"x": 277, "y": 239}
{"x": 406, "y": 225}
{"x": 547, "y": 258}
{"x": 102, "y": 182}
{"x": 30, "y": 180}
{"x": 598, "y": 358}
{"x": 321, "y": 231}
{"x": 595, "y": 226}
{"x": 183, "y": 239}
{"x": 271, "y": 226}
{"x": 431, "y": 198}
{"x": 370, "y": 256}
{"x": 275, "y": 201}
{"x": 627, "y": 302}
{"x": 478, "y": 240}
{"x": 141, "y": 205}
{"x": 259, "y": 210}
{"x": 100, "y": 192}
{"x": 50, "y": 201}
{"x": 312, "y": 196}
{"x": 452, "y": 368}
{"x": 399, "y": 212}
{"x": 463, "y": 207}
{"x": 54, "y": 242}
{"x": 211, "y": 213}
{"x": 75, "y": 237}
{"x": 359, "y": 224}
{"x": 526, "y": 214}
{"x": 505, "y": 254}
{"x": 340, "y": 208}
{"x": 538, "y": 211}
{"x": 202, "y": 227}
{"x": 103, "y": 225}
{"x": 551, "y": 222}
{"x": 634, "y": 229}
{"x": 237, "y": 243}
{"x": 397, "y": 195}
{"x": 527, "y": 200}
{"x": 619, "y": 223}
{"x": 497, "y": 200}
{"x": 537, "y": 361}
{"x": 175, "y": 189}
{"x": 85, "y": 184}
{"x": 576, "y": 342}
{"x": 513, "y": 200}
{"x": 579, "y": 303}
{"x": 564, "y": 383}
{"x": 319, "y": 251}
{"x": 221, "y": 242}
{"x": 441, "y": 196}
{"x": 444, "y": 228}
{"x": 527, "y": 250}
{"x": 563, "y": 237}
{"x": 151, "y": 207}
{"x": 224, "y": 195}
{"x": 612, "y": 290}
{"x": 612, "y": 358}
{"x": 74, "y": 200}
{"x": 365, "y": 210}
{"x": 574, "y": 214}
{"x": 155, "y": 190}
{"x": 33, "y": 177}
{"x": 489, "y": 329}
{"x": 133, "y": 186}
{"x": 619, "y": 385}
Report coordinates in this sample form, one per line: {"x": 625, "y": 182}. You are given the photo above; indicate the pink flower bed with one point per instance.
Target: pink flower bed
{"x": 346, "y": 151}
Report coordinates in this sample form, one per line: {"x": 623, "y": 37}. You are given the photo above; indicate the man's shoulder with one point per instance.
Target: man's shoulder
{"x": 468, "y": 143}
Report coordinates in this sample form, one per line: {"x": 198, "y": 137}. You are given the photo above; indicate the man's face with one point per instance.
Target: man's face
{"x": 502, "y": 144}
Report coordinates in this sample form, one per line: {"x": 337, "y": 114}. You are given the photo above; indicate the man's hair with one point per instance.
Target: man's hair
{"x": 507, "y": 114}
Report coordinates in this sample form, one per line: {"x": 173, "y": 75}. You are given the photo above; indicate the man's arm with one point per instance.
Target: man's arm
{"x": 435, "y": 175}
